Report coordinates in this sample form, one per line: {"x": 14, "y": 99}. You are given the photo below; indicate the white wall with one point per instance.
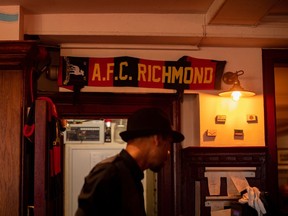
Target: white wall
{"x": 236, "y": 118}
{"x": 210, "y": 104}
{"x": 11, "y": 26}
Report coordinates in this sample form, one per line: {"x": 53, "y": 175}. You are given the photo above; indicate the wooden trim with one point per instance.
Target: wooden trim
{"x": 224, "y": 155}
{"x": 14, "y": 54}
{"x": 270, "y": 58}
{"x": 11, "y": 146}
{"x": 177, "y": 160}
{"x": 21, "y": 56}
{"x": 93, "y": 104}
{"x": 168, "y": 177}
{"x": 40, "y": 164}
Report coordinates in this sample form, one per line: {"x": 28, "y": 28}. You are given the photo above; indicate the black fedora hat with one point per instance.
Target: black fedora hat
{"x": 149, "y": 121}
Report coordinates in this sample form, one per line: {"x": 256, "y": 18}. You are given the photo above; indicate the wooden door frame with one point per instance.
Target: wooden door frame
{"x": 270, "y": 57}
{"x": 93, "y": 105}
{"x": 22, "y": 56}
{"x": 40, "y": 161}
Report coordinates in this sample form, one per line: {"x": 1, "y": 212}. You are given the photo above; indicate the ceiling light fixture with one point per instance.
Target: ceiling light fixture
{"x": 237, "y": 90}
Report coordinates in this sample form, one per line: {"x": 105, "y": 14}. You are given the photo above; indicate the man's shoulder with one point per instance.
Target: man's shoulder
{"x": 107, "y": 168}
{"x": 108, "y": 160}
{"x": 105, "y": 165}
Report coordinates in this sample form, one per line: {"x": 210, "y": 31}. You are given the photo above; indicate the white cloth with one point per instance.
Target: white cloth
{"x": 252, "y": 197}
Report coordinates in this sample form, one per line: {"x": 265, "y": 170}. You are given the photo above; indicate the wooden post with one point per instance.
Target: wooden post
{"x": 40, "y": 177}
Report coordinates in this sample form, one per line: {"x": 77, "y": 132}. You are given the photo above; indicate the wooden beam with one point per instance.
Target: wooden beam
{"x": 40, "y": 177}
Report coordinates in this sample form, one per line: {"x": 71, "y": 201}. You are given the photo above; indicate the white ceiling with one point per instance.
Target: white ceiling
{"x": 243, "y": 12}
{"x": 270, "y": 16}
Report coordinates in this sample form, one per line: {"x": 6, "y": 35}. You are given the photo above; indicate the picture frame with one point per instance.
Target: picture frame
{"x": 282, "y": 156}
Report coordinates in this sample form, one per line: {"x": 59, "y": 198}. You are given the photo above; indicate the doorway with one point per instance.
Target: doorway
{"x": 120, "y": 106}
{"x": 86, "y": 143}
{"x": 275, "y": 63}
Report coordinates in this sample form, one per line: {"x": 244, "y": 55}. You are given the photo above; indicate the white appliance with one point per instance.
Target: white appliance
{"x": 79, "y": 160}
{"x": 84, "y": 148}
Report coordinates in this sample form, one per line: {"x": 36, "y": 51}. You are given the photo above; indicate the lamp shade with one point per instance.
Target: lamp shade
{"x": 236, "y": 94}
{"x": 236, "y": 91}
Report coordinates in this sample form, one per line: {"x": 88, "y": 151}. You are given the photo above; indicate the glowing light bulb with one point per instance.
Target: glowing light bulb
{"x": 237, "y": 90}
{"x": 236, "y": 95}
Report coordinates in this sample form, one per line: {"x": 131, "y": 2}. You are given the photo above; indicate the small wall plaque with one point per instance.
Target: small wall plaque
{"x": 238, "y": 132}
{"x": 252, "y": 118}
{"x": 211, "y": 133}
{"x": 220, "y": 119}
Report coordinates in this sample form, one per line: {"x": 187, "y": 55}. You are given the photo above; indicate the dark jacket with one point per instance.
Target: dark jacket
{"x": 112, "y": 188}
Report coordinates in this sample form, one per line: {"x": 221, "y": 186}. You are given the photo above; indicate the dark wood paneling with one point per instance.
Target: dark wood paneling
{"x": 40, "y": 165}
{"x": 13, "y": 54}
{"x": 270, "y": 58}
{"x": 110, "y": 105}
{"x": 10, "y": 145}
{"x": 19, "y": 63}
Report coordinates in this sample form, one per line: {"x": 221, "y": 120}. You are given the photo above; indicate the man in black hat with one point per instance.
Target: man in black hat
{"x": 114, "y": 187}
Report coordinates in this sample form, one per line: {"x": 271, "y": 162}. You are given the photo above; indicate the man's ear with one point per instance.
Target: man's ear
{"x": 156, "y": 139}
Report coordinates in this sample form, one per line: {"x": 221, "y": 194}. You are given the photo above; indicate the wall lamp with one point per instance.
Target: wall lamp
{"x": 237, "y": 91}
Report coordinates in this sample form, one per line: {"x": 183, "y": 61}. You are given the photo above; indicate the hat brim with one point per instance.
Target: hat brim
{"x": 128, "y": 135}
